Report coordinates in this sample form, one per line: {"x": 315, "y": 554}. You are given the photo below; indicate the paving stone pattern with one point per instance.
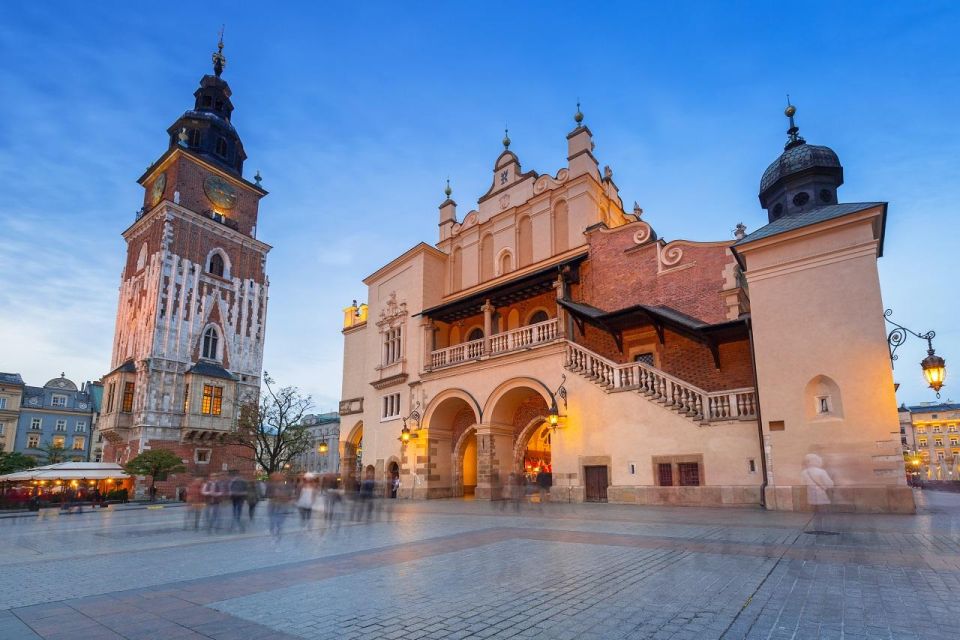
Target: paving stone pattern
{"x": 454, "y": 569}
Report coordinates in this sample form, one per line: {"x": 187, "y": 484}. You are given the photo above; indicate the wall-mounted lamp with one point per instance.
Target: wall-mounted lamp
{"x": 405, "y": 433}
{"x": 934, "y": 367}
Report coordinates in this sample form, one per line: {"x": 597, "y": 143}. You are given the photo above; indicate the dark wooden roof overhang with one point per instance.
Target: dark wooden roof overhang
{"x": 507, "y": 293}
{"x": 660, "y": 318}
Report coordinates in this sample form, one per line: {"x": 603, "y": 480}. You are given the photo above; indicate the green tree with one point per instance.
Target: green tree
{"x": 13, "y": 461}
{"x": 156, "y": 463}
{"x": 52, "y": 453}
{"x": 272, "y": 429}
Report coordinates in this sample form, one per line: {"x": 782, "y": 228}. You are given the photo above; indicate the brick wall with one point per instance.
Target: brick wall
{"x": 619, "y": 273}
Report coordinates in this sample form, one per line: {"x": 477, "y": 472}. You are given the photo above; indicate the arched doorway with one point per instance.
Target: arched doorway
{"x": 518, "y": 411}
{"x": 448, "y": 421}
{"x": 351, "y": 459}
{"x": 465, "y": 469}
{"x": 393, "y": 477}
{"x": 533, "y": 452}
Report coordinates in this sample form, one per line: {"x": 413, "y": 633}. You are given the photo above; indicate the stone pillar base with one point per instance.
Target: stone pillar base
{"x": 875, "y": 499}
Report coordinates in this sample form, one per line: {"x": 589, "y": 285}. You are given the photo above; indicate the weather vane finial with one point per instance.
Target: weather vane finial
{"x": 506, "y": 137}
{"x": 219, "y": 60}
{"x": 794, "y": 131}
{"x": 578, "y": 116}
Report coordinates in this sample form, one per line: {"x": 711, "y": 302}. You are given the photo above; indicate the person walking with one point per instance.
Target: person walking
{"x": 306, "y": 500}
{"x": 195, "y": 502}
{"x": 237, "y": 489}
{"x": 253, "y": 497}
{"x": 280, "y": 494}
{"x": 212, "y": 494}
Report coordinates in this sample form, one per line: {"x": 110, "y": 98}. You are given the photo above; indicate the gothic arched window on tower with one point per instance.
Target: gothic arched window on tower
{"x": 216, "y": 265}
{"x": 221, "y": 147}
{"x": 194, "y": 137}
{"x": 210, "y": 341}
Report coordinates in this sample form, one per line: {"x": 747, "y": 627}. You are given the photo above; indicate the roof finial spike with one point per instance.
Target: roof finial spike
{"x": 448, "y": 190}
{"x": 219, "y": 60}
{"x": 506, "y": 137}
{"x": 578, "y": 116}
{"x": 793, "y": 132}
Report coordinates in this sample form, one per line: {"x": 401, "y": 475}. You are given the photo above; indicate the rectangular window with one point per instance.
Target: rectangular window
{"x": 3, "y": 428}
{"x": 33, "y": 440}
{"x": 212, "y": 400}
{"x": 3, "y": 403}
{"x": 922, "y": 442}
{"x": 936, "y": 428}
{"x": 58, "y": 401}
{"x": 391, "y": 346}
{"x": 110, "y": 393}
{"x": 201, "y": 456}
{"x": 665, "y": 474}
{"x": 81, "y": 427}
{"x": 939, "y": 455}
{"x": 61, "y": 425}
{"x": 79, "y": 443}
{"x": 689, "y": 473}
{"x": 823, "y": 404}
{"x": 953, "y": 441}
{"x": 921, "y": 429}
{"x": 59, "y": 441}
{"x": 391, "y": 406}
{"x": 127, "y": 406}
{"x": 952, "y": 428}
{"x": 186, "y": 398}
{"x": 938, "y": 442}
{"x": 36, "y": 424}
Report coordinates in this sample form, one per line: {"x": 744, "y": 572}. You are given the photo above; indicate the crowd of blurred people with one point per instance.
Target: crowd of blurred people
{"x": 227, "y": 502}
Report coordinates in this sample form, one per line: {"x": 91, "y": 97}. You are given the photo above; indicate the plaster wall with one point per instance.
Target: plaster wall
{"x": 817, "y": 311}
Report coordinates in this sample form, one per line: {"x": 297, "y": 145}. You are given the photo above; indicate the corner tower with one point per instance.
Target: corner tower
{"x": 188, "y": 345}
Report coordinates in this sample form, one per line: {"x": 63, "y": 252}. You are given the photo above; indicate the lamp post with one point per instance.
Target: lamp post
{"x": 934, "y": 367}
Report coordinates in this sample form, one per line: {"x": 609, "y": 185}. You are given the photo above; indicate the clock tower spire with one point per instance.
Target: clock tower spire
{"x": 188, "y": 345}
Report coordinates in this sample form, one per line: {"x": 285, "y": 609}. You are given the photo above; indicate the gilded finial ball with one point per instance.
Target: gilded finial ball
{"x": 506, "y": 139}
{"x": 578, "y": 116}
{"x": 789, "y": 111}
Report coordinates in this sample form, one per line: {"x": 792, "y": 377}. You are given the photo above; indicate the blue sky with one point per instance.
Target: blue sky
{"x": 356, "y": 113}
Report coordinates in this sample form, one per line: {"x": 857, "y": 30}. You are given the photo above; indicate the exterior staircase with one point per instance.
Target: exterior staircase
{"x": 703, "y": 407}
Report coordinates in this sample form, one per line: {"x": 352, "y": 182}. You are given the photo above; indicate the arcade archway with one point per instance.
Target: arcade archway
{"x": 351, "y": 457}
{"x": 450, "y": 422}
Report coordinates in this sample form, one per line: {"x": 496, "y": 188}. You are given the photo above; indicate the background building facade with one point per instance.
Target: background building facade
{"x": 936, "y": 439}
{"x": 11, "y": 393}
{"x": 58, "y": 414}
{"x": 323, "y": 456}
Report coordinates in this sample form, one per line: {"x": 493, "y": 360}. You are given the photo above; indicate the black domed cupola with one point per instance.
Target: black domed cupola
{"x": 804, "y": 177}
{"x": 206, "y": 129}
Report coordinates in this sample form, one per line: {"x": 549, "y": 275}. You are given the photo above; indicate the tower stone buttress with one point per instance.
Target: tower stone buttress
{"x": 191, "y": 316}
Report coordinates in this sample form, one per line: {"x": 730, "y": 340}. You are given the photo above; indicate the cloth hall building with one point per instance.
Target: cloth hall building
{"x": 551, "y": 328}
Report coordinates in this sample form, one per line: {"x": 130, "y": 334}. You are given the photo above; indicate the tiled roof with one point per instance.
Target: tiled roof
{"x": 931, "y": 408}
{"x": 210, "y": 369}
{"x": 11, "y": 378}
{"x": 807, "y": 218}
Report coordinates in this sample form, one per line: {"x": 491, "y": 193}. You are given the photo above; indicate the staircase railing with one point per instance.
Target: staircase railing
{"x": 660, "y": 386}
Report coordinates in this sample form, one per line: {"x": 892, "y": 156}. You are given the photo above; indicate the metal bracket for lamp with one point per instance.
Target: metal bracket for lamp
{"x": 554, "y": 417}
{"x": 934, "y": 367}
{"x": 405, "y": 433}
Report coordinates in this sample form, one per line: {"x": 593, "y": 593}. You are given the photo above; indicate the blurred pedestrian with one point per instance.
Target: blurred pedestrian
{"x": 212, "y": 492}
{"x": 237, "y": 489}
{"x": 544, "y": 480}
{"x": 367, "y": 491}
{"x": 195, "y": 503}
{"x": 280, "y": 494}
{"x": 306, "y": 499}
{"x": 253, "y": 497}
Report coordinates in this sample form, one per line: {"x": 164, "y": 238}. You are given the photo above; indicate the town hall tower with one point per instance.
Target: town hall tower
{"x": 188, "y": 345}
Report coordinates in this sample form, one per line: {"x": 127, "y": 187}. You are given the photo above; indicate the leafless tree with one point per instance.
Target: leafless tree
{"x": 272, "y": 429}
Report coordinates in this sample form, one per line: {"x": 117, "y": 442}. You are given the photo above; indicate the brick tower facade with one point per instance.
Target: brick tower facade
{"x": 188, "y": 345}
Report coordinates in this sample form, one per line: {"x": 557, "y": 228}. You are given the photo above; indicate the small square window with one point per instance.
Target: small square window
{"x": 823, "y": 404}
{"x": 58, "y": 401}
{"x": 36, "y": 424}
{"x": 81, "y": 427}
{"x": 33, "y": 441}
{"x": 201, "y": 456}
{"x": 61, "y": 425}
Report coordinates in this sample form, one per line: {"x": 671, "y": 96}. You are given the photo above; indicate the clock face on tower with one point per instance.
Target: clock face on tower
{"x": 156, "y": 191}
{"x": 220, "y": 192}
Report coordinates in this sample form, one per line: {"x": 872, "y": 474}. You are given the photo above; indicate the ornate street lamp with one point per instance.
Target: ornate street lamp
{"x": 405, "y": 432}
{"x": 553, "y": 418}
{"x": 934, "y": 367}
{"x": 323, "y": 448}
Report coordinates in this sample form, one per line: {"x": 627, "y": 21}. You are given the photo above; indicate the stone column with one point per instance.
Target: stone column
{"x": 429, "y": 338}
{"x": 560, "y": 288}
{"x": 494, "y": 459}
{"x": 487, "y": 325}
{"x": 432, "y": 464}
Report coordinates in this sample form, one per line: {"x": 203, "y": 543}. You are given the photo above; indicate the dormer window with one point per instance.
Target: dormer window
{"x": 221, "y": 149}
{"x": 211, "y": 340}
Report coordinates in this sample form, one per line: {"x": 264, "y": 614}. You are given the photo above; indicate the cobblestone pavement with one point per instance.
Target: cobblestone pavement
{"x": 455, "y": 569}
